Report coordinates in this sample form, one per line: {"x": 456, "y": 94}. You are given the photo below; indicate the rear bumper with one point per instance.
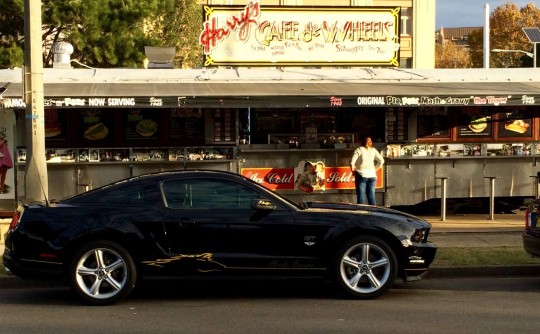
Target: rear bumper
{"x": 31, "y": 270}
{"x": 531, "y": 243}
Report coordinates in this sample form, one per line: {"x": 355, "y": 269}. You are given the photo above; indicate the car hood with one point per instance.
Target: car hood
{"x": 358, "y": 207}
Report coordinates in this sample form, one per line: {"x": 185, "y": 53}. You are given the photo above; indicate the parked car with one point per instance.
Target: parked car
{"x": 531, "y": 235}
{"x": 211, "y": 223}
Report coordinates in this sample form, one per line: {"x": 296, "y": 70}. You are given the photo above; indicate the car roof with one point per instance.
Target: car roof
{"x": 159, "y": 176}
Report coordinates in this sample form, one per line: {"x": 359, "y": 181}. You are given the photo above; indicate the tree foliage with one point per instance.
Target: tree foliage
{"x": 506, "y": 33}
{"x": 450, "y": 55}
{"x": 104, "y": 33}
{"x": 176, "y": 25}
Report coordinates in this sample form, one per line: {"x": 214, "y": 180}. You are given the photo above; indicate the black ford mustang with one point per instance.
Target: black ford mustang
{"x": 211, "y": 223}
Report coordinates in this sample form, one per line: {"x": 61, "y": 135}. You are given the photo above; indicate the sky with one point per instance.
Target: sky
{"x": 469, "y": 13}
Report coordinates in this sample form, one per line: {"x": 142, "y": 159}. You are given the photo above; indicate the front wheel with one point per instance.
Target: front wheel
{"x": 366, "y": 267}
{"x": 102, "y": 273}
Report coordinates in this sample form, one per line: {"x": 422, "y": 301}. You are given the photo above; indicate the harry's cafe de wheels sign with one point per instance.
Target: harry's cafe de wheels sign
{"x": 300, "y": 36}
{"x": 257, "y": 35}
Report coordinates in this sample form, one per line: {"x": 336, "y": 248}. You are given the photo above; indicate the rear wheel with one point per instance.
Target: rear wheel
{"x": 366, "y": 267}
{"x": 102, "y": 273}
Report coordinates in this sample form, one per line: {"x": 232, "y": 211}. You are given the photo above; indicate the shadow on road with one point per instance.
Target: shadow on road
{"x": 166, "y": 290}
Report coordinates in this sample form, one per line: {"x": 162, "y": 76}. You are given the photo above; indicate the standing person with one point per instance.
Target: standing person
{"x": 365, "y": 162}
{"x": 5, "y": 162}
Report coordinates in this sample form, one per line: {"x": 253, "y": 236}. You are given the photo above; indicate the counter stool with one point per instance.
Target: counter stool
{"x": 84, "y": 186}
{"x": 443, "y": 195}
{"x": 491, "y": 195}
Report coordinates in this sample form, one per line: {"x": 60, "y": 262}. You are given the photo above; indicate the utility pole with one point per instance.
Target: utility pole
{"x": 36, "y": 179}
{"x": 486, "y": 36}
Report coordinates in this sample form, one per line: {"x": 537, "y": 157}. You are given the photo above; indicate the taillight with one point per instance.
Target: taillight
{"x": 15, "y": 220}
{"x": 528, "y": 218}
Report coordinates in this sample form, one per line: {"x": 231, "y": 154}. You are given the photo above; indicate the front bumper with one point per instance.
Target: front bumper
{"x": 417, "y": 260}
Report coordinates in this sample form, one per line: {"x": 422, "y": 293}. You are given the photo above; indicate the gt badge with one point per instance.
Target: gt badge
{"x": 309, "y": 240}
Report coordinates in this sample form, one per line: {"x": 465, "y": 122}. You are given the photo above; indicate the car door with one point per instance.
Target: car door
{"x": 211, "y": 226}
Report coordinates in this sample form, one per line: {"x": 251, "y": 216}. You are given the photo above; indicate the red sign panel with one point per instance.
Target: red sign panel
{"x": 284, "y": 179}
{"x": 271, "y": 178}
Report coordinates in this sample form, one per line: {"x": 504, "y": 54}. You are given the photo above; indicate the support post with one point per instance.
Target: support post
{"x": 491, "y": 196}
{"x": 443, "y": 196}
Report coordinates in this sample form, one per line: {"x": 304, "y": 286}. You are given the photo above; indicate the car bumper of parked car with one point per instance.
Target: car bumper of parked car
{"x": 418, "y": 259}
{"x": 31, "y": 270}
{"x": 531, "y": 243}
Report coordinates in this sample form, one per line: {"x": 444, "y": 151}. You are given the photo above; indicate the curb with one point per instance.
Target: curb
{"x": 483, "y": 271}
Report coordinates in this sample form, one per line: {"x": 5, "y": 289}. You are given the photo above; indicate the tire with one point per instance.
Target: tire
{"x": 102, "y": 273}
{"x": 365, "y": 267}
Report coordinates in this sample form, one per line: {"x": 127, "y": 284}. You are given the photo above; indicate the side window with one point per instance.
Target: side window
{"x": 176, "y": 194}
{"x": 125, "y": 195}
{"x": 208, "y": 194}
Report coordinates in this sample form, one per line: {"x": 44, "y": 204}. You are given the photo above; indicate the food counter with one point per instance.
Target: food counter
{"x": 408, "y": 178}
{"x": 412, "y": 174}
{"x": 71, "y": 171}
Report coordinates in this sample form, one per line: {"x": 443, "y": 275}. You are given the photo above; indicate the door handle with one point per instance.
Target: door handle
{"x": 186, "y": 222}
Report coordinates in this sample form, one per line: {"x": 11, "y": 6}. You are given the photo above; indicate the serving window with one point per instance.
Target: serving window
{"x": 433, "y": 123}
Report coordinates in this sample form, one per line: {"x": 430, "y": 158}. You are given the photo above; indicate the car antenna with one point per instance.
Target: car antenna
{"x": 43, "y": 190}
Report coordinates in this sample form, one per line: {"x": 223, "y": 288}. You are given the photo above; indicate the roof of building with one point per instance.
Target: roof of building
{"x": 455, "y": 34}
{"x": 269, "y": 83}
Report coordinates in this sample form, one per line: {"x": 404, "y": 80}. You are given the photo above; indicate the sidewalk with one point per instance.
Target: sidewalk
{"x": 476, "y": 230}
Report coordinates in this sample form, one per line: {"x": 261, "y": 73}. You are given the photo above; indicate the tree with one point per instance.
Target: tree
{"x": 450, "y": 55}
{"x": 11, "y": 30}
{"x": 104, "y": 33}
{"x": 506, "y": 23}
{"x": 177, "y": 27}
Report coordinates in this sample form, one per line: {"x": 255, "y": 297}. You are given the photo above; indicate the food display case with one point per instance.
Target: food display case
{"x": 311, "y": 140}
{"x": 73, "y": 170}
{"x": 414, "y": 170}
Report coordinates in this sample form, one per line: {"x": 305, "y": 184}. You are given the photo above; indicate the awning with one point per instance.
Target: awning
{"x": 67, "y": 88}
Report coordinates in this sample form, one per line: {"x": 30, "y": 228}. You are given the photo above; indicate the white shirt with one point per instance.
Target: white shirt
{"x": 366, "y": 161}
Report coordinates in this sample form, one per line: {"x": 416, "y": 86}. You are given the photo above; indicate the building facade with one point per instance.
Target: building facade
{"x": 271, "y": 123}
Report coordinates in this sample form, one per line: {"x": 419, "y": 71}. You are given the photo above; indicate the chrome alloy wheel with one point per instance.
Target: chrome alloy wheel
{"x": 101, "y": 273}
{"x": 367, "y": 269}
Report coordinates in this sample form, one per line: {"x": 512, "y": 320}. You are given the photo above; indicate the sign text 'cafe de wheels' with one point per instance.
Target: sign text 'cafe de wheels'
{"x": 276, "y": 36}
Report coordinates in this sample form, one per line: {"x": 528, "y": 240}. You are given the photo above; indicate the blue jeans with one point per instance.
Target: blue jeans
{"x": 365, "y": 186}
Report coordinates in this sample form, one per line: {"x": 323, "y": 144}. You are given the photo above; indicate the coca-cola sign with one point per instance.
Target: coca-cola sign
{"x": 304, "y": 177}
{"x": 271, "y": 178}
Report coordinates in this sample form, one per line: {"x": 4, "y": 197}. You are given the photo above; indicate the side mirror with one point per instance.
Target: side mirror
{"x": 262, "y": 204}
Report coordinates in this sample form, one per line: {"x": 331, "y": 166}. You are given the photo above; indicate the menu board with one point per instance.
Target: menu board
{"x": 141, "y": 124}
{"x": 397, "y": 125}
{"x": 55, "y": 124}
{"x": 96, "y": 125}
{"x": 224, "y": 129}
{"x": 474, "y": 122}
{"x": 515, "y": 122}
{"x": 186, "y": 125}
{"x": 433, "y": 123}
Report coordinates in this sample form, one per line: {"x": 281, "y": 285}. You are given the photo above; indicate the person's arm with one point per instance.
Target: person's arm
{"x": 354, "y": 157}
{"x": 380, "y": 160}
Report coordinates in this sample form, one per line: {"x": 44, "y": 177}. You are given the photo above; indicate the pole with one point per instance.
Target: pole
{"x": 534, "y": 55}
{"x": 486, "y": 35}
{"x": 36, "y": 179}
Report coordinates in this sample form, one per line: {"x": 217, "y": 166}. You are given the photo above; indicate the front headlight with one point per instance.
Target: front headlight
{"x": 419, "y": 235}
